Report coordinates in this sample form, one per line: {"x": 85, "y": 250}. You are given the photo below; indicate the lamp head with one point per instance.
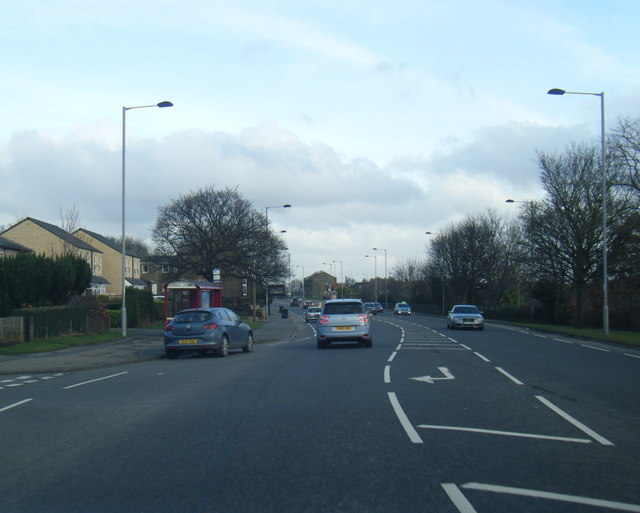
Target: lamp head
{"x": 559, "y": 92}
{"x": 165, "y": 104}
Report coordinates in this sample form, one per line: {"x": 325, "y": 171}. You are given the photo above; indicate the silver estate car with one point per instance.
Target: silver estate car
{"x": 344, "y": 320}
{"x": 465, "y": 316}
{"x": 312, "y": 313}
{"x": 207, "y": 329}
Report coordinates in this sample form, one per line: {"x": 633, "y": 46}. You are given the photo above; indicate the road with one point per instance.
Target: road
{"x": 427, "y": 420}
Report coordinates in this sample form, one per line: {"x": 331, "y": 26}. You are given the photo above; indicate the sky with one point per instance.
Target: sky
{"x": 376, "y": 120}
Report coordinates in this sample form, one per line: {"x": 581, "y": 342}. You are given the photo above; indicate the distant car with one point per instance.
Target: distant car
{"x": 379, "y": 308}
{"x": 371, "y": 308}
{"x": 312, "y": 313}
{"x": 343, "y": 320}
{"x": 465, "y": 316}
{"x": 207, "y": 329}
{"x": 402, "y": 309}
{"x": 307, "y": 303}
{"x": 295, "y": 301}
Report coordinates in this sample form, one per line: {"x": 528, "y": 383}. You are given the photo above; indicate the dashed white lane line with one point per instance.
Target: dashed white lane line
{"x": 596, "y": 348}
{"x": 14, "y": 405}
{"x": 393, "y": 355}
{"x": 632, "y": 355}
{"x": 94, "y": 380}
{"x": 387, "y": 374}
{"x": 482, "y": 357}
{"x": 573, "y": 421}
{"x": 504, "y": 372}
{"x": 458, "y": 498}
{"x": 404, "y": 420}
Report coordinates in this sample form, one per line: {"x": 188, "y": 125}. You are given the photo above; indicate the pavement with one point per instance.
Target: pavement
{"x": 140, "y": 345}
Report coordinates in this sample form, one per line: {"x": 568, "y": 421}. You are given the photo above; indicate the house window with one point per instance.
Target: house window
{"x": 145, "y": 268}
{"x": 1, "y": 252}
{"x": 166, "y": 269}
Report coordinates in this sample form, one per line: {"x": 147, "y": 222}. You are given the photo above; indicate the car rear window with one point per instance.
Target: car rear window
{"x": 343, "y": 308}
{"x": 192, "y": 317}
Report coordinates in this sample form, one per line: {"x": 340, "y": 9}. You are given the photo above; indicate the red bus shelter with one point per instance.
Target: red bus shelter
{"x": 179, "y": 295}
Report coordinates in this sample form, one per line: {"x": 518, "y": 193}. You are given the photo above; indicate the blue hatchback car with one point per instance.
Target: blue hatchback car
{"x": 207, "y": 329}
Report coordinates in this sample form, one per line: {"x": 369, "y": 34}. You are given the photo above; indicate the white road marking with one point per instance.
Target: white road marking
{"x": 515, "y": 380}
{"x": 404, "y": 420}
{"x": 458, "y": 498}
{"x": 632, "y": 355}
{"x": 387, "y": 374}
{"x": 14, "y": 405}
{"x": 399, "y": 347}
{"x": 562, "y": 340}
{"x": 393, "y": 355}
{"x": 508, "y": 433}
{"x": 429, "y": 379}
{"x": 14, "y": 385}
{"x": 466, "y": 347}
{"x": 482, "y": 357}
{"x": 94, "y": 380}
{"x": 573, "y": 421}
{"x": 596, "y": 348}
{"x": 575, "y": 499}
{"x": 271, "y": 344}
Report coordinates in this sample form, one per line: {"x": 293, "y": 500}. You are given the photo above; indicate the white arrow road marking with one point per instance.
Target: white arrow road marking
{"x": 429, "y": 379}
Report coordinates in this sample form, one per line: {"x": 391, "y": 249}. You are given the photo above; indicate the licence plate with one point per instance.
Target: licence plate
{"x": 188, "y": 341}
{"x": 344, "y": 328}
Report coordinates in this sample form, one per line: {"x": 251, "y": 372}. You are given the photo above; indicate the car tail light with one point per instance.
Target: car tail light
{"x": 168, "y": 327}
{"x": 364, "y": 319}
{"x": 210, "y": 326}
{"x": 323, "y": 319}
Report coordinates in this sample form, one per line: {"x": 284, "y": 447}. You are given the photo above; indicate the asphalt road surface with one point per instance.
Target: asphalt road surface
{"x": 427, "y": 420}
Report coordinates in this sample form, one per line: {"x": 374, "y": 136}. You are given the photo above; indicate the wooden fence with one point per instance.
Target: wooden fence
{"x": 11, "y": 329}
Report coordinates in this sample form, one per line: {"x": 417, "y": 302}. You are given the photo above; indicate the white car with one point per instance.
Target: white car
{"x": 465, "y": 316}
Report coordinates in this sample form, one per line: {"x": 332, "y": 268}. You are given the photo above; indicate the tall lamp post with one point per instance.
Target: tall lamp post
{"x": 375, "y": 278}
{"x": 341, "y": 279}
{"x": 302, "y": 267}
{"x": 531, "y": 273}
{"x": 123, "y": 314}
{"x": 605, "y": 278}
{"x": 266, "y": 285}
{"x": 386, "y": 279}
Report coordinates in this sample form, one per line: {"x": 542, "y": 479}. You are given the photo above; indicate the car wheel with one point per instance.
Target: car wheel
{"x": 223, "y": 350}
{"x": 249, "y": 347}
{"x": 172, "y": 355}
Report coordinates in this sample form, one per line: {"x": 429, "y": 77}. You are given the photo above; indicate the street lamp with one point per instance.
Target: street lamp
{"x": 531, "y": 273}
{"x": 302, "y": 267}
{"x": 341, "y": 279}
{"x": 123, "y": 312}
{"x": 386, "y": 279}
{"x": 375, "y": 270}
{"x": 266, "y": 285}
{"x": 605, "y": 278}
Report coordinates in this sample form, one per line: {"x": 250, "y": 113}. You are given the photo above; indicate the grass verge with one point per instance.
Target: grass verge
{"x": 44, "y": 345}
{"x": 631, "y": 338}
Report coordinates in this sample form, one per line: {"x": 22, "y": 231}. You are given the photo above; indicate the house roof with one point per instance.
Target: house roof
{"x": 106, "y": 241}
{"x": 9, "y": 244}
{"x": 60, "y": 233}
{"x": 137, "y": 282}
{"x": 99, "y": 280}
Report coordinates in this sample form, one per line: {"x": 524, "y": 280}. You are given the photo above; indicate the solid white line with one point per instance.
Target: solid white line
{"x": 404, "y": 420}
{"x": 393, "y": 355}
{"x": 632, "y": 355}
{"x": 515, "y": 380}
{"x": 14, "y": 405}
{"x": 458, "y": 498}
{"x": 508, "y": 433}
{"x": 620, "y": 506}
{"x": 94, "y": 380}
{"x": 387, "y": 374}
{"x": 573, "y": 421}
{"x": 596, "y": 348}
{"x": 482, "y": 357}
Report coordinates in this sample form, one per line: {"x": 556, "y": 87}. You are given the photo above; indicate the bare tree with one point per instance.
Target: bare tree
{"x": 69, "y": 222}
{"x": 624, "y": 145}
{"x": 219, "y": 228}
